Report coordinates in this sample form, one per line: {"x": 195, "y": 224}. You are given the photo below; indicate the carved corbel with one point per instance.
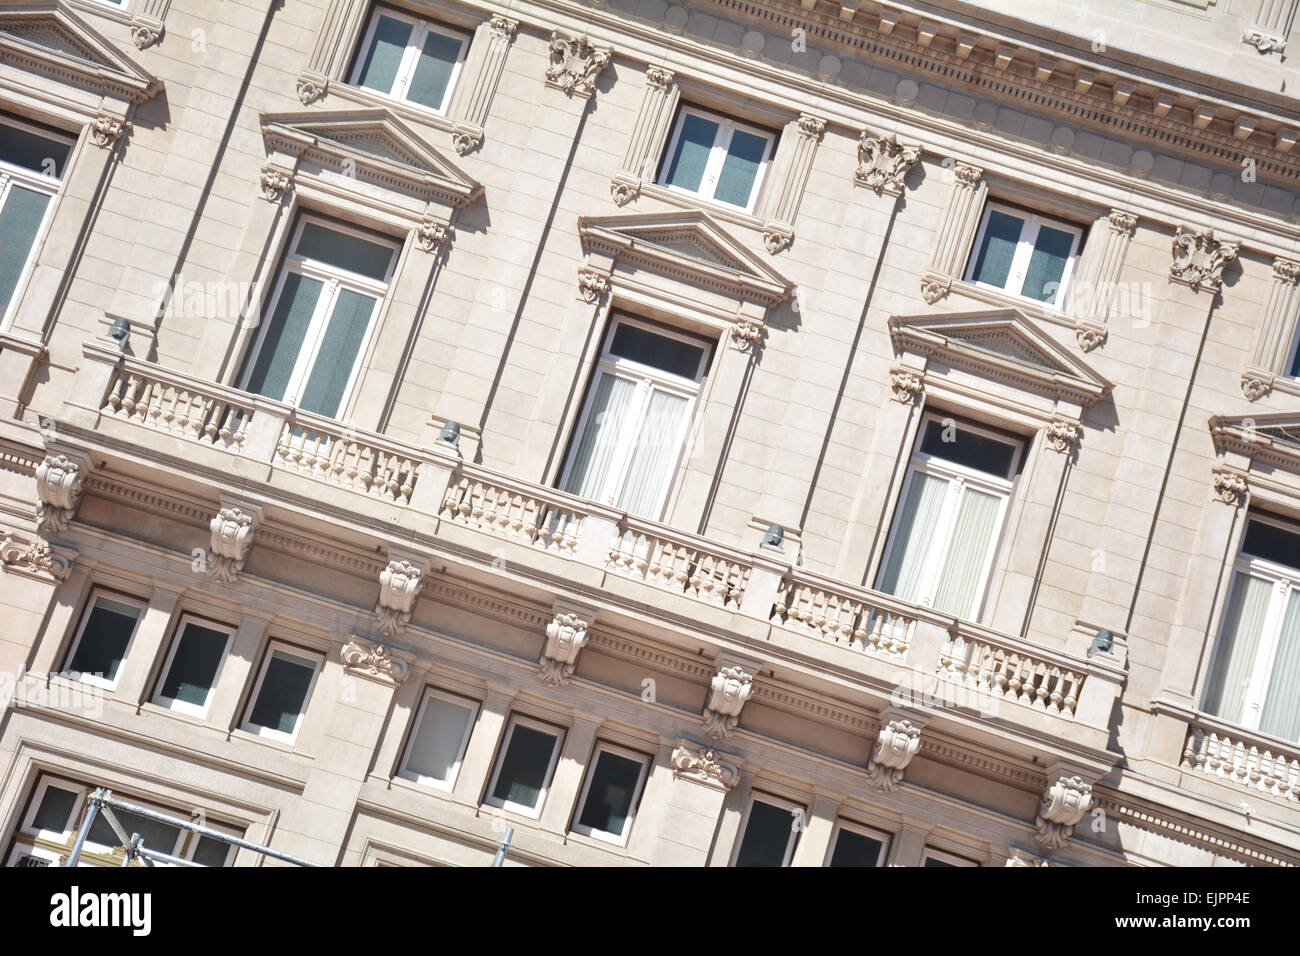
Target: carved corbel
{"x": 373, "y": 661}
{"x": 1256, "y": 384}
{"x": 145, "y": 31}
{"x": 592, "y": 284}
{"x": 1089, "y": 337}
{"x": 883, "y": 163}
{"x": 1061, "y": 434}
{"x": 107, "y": 130}
{"x": 746, "y": 335}
{"x": 232, "y": 529}
{"x": 310, "y": 87}
{"x": 1199, "y": 259}
{"x": 566, "y": 635}
{"x": 730, "y": 688}
{"x": 1230, "y": 487}
{"x": 1063, "y": 804}
{"x": 575, "y": 64}
{"x": 466, "y": 139}
{"x": 704, "y": 765}
{"x": 934, "y": 288}
{"x": 59, "y": 485}
{"x": 896, "y": 745}
{"x": 35, "y": 558}
{"x": 275, "y": 182}
{"x": 906, "y": 383}
{"x": 399, "y": 586}
{"x": 431, "y": 235}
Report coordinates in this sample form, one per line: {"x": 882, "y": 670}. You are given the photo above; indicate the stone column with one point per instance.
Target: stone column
{"x": 815, "y": 841}
{"x": 237, "y": 672}
{"x": 566, "y": 782}
{"x": 143, "y": 653}
{"x": 477, "y": 765}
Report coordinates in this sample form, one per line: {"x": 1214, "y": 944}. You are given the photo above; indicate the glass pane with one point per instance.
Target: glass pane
{"x": 56, "y": 806}
{"x": 686, "y": 167}
{"x": 343, "y": 251}
{"x": 609, "y": 798}
{"x": 1295, "y": 363}
{"x": 1281, "y": 716}
{"x": 523, "y": 769}
{"x": 103, "y": 642}
{"x": 194, "y": 665}
{"x": 916, "y": 522}
{"x": 31, "y": 151}
{"x": 740, "y": 168}
{"x": 20, "y": 221}
{"x": 154, "y": 835}
{"x": 993, "y": 261}
{"x": 658, "y": 445}
{"x": 379, "y": 69}
{"x": 1243, "y": 622}
{"x": 433, "y": 71}
{"x": 284, "y": 692}
{"x": 210, "y": 852}
{"x": 437, "y": 743}
{"x": 962, "y": 447}
{"x": 854, "y": 849}
{"x": 658, "y": 351}
{"x": 338, "y": 353}
{"x": 931, "y": 861}
{"x": 767, "y": 834}
{"x": 1272, "y": 543}
{"x": 1047, "y": 264}
{"x": 600, "y": 435}
{"x": 962, "y": 578}
{"x": 284, "y": 336}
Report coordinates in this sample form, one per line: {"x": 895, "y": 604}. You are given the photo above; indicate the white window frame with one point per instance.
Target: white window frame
{"x": 519, "y": 720}
{"x": 420, "y": 30}
{"x": 648, "y": 379}
{"x": 335, "y": 280}
{"x": 51, "y": 186}
{"x": 618, "y": 839}
{"x": 291, "y": 650}
{"x": 717, "y": 156}
{"x": 180, "y": 706}
{"x": 860, "y": 829}
{"x": 958, "y": 477}
{"x": 1031, "y": 222}
{"x": 1283, "y": 582}
{"x": 470, "y": 704}
{"x": 95, "y": 595}
{"x": 783, "y": 803}
{"x": 944, "y": 856}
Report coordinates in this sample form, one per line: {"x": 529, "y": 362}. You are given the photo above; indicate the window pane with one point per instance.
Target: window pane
{"x": 103, "y": 642}
{"x": 437, "y": 743}
{"x": 767, "y": 834}
{"x": 993, "y": 262}
{"x": 284, "y": 336}
{"x": 931, "y": 861}
{"x": 56, "y": 806}
{"x": 433, "y": 72}
{"x": 854, "y": 849}
{"x": 968, "y": 448}
{"x": 338, "y": 353}
{"x": 379, "y": 69}
{"x": 1272, "y": 543}
{"x": 658, "y": 351}
{"x": 1047, "y": 264}
{"x": 523, "y": 769}
{"x": 210, "y": 852}
{"x": 600, "y": 434}
{"x": 916, "y": 523}
{"x": 194, "y": 665}
{"x": 1295, "y": 364}
{"x": 658, "y": 444}
{"x": 1281, "y": 716}
{"x": 343, "y": 251}
{"x": 962, "y": 577}
{"x": 284, "y": 692}
{"x": 1243, "y": 622}
{"x": 31, "y": 151}
{"x": 20, "y": 221}
{"x": 686, "y": 168}
{"x": 155, "y": 835}
{"x": 609, "y": 798}
{"x": 740, "y": 168}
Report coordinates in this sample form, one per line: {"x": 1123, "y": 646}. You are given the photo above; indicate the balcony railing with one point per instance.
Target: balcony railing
{"x": 1256, "y": 762}
{"x": 998, "y": 664}
{"x": 324, "y": 449}
{"x": 177, "y": 404}
{"x": 854, "y": 617}
{"x": 514, "y": 510}
{"x": 680, "y": 563}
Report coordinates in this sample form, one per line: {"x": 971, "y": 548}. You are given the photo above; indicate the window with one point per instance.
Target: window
{"x": 1255, "y": 680}
{"x": 609, "y": 797}
{"x": 950, "y": 513}
{"x": 103, "y": 637}
{"x": 442, "y": 731}
{"x": 1024, "y": 254}
{"x": 410, "y": 59}
{"x": 938, "y": 858}
{"x": 854, "y": 845}
{"x": 1295, "y": 357}
{"x": 716, "y": 157}
{"x": 190, "y": 671}
{"x": 320, "y": 316}
{"x": 634, "y": 420}
{"x": 524, "y": 766}
{"x": 769, "y": 832}
{"x": 32, "y": 162}
{"x": 283, "y": 688}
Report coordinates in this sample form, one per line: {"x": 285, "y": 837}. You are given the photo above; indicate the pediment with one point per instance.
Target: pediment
{"x": 1002, "y": 343}
{"x": 1271, "y": 438}
{"x": 374, "y": 145}
{"x": 48, "y": 38}
{"x": 689, "y": 246}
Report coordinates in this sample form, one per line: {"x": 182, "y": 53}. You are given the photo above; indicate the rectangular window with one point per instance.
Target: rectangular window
{"x": 1294, "y": 371}
{"x": 442, "y": 732}
{"x": 949, "y": 517}
{"x": 1255, "y": 680}
{"x": 410, "y": 59}
{"x": 610, "y": 794}
{"x": 524, "y": 766}
{"x": 1025, "y": 254}
{"x": 319, "y": 319}
{"x": 192, "y": 665}
{"x": 938, "y": 858}
{"x": 103, "y": 637}
{"x": 716, "y": 158}
{"x": 283, "y": 688}
{"x": 32, "y": 161}
{"x": 769, "y": 832}
{"x": 855, "y": 845}
{"x": 635, "y": 418}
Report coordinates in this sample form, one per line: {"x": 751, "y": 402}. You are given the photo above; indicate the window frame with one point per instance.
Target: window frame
{"x": 517, "y": 720}
{"x": 180, "y": 706}
{"x": 781, "y": 803}
{"x": 1031, "y": 222}
{"x": 727, "y": 126}
{"x": 475, "y": 707}
{"x": 421, "y": 27}
{"x": 861, "y": 829}
{"x": 946, "y": 856}
{"x": 96, "y": 593}
{"x": 645, "y": 760}
{"x": 270, "y": 733}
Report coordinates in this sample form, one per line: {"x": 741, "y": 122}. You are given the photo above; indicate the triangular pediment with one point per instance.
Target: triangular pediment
{"x": 49, "y": 38}
{"x": 376, "y": 146}
{"x": 1003, "y": 343}
{"x": 1274, "y": 438}
{"x": 686, "y": 245}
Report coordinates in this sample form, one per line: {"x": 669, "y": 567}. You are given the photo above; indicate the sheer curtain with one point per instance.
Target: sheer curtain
{"x": 1281, "y": 715}
{"x": 605, "y": 422}
{"x": 653, "y": 456}
{"x": 1245, "y": 615}
{"x": 916, "y": 523}
{"x": 963, "y": 570}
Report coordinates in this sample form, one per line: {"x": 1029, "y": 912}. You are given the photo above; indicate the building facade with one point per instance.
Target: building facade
{"x": 717, "y": 433}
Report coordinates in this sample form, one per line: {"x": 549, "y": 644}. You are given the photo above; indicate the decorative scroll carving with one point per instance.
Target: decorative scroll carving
{"x": 746, "y": 334}
{"x": 883, "y": 163}
{"x": 1089, "y": 338}
{"x": 774, "y": 240}
{"x": 1061, "y": 435}
{"x": 934, "y": 289}
{"x": 107, "y": 129}
{"x": 1230, "y": 487}
{"x": 731, "y": 687}
{"x": 310, "y": 88}
{"x": 897, "y": 744}
{"x": 58, "y": 486}
{"x": 35, "y": 557}
{"x": 1255, "y": 387}
{"x": 399, "y": 585}
{"x": 232, "y": 530}
{"x": 1122, "y": 223}
{"x": 431, "y": 234}
{"x": 575, "y": 65}
{"x": 465, "y": 141}
{"x": 1199, "y": 259}
{"x": 275, "y": 182}
{"x": 906, "y": 385}
{"x": 968, "y": 177}
{"x": 145, "y": 32}
{"x": 566, "y": 635}
{"x": 373, "y": 661}
{"x": 592, "y": 285}
{"x": 1063, "y": 805}
{"x": 704, "y": 766}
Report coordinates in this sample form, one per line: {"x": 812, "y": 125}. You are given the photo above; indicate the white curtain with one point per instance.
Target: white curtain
{"x": 1243, "y": 622}
{"x": 1281, "y": 715}
{"x": 605, "y": 422}
{"x": 963, "y": 569}
{"x": 657, "y": 446}
{"x": 912, "y": 541}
